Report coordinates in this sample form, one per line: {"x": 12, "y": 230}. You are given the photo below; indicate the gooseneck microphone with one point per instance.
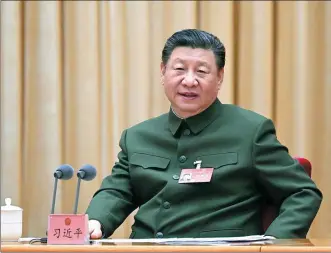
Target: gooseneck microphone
{"x": 63, "y": 172}
{"x": 87, "y": 172}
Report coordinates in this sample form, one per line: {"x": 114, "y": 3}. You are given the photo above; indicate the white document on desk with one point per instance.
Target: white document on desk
{"x": 193, "y": 241}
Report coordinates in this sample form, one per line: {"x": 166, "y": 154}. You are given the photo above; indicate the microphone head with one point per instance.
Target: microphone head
{"x": 87, "y": 172}
{"x": 64, "y": 172}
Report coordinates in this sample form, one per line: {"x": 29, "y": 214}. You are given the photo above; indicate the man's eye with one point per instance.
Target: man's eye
{"x": 179, "y": 69}
{"x": 202, "y": 71}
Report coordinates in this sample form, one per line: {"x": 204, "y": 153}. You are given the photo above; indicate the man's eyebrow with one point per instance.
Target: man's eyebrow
{"x": 205, "y": 63}
{"x": 178, "y": 59}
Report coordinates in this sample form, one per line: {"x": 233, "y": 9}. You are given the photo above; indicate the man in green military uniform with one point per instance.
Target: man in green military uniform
{"x": 232, "y": 155}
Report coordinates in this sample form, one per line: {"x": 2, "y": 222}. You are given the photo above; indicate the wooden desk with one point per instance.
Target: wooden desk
{"x": 303, "y": 245}
{"x": 312, "y": 245}
{"x": 126, "y": 248}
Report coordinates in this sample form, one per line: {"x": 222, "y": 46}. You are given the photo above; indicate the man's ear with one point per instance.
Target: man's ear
{"x": 163, "y": 68}
{"x": 220, "y": 77}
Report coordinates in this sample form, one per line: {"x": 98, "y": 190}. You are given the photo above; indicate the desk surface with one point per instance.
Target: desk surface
{"x": 312, "y": 245}
{"x": 302, "y": 245}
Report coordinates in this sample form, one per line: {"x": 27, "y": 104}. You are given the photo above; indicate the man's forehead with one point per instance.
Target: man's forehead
{"x": 184, "y": 54}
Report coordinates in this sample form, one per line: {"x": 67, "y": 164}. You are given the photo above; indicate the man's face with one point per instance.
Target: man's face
{"x": 191, "y": 80}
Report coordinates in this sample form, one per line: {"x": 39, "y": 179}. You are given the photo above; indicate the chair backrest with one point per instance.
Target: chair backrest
{"x": 269, "y": 212}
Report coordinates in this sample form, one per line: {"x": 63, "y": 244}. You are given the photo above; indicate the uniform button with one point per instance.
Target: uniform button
{"x": 176, "y": 177}
{"x": 182, "y": 158}
{"x": 159, "y": 235}
{"x": 166, "y": 205}
{"x": 187, "y": 132}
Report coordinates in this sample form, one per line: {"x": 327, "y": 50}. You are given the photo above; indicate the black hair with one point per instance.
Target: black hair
{"x": 195, "y": 38}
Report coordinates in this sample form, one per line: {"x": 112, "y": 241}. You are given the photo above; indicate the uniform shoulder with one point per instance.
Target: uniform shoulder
{"x": 246, "y": 116}
{"x": 151, "y": 123}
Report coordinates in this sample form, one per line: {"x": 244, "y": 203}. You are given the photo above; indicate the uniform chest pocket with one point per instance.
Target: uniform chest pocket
{"x": 148, "y": 161}
{"x": 218, "y": 160}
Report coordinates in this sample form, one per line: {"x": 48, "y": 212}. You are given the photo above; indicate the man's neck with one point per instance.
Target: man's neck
{"x": 185, "y": 116}
{"x": 176, "y": 113}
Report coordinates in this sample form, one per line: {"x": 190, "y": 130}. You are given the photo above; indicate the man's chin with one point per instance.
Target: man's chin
{"x": 188, "y": 111}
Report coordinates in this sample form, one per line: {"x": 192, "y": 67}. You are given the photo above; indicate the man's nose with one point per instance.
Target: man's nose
{"x": 190, "y": 80}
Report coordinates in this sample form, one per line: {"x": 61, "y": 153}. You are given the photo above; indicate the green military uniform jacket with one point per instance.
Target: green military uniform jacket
{"x": 250, "y": 167}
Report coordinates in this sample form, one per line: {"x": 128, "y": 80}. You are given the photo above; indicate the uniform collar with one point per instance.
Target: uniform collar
{"x": 197, "y": 122}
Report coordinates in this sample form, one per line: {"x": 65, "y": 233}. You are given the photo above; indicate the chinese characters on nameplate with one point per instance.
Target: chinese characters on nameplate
{"x": 67, "y": 229}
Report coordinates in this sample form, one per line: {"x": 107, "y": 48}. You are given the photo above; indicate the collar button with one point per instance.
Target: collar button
{"x": 182, "y": 159}
{"x": 187, "y": 132}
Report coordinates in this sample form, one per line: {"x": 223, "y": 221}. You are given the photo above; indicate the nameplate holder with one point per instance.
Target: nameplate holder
{"x": 67, "y": 229}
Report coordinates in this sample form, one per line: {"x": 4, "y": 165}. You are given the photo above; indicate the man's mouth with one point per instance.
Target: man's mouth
{"x": 188, "y": 94}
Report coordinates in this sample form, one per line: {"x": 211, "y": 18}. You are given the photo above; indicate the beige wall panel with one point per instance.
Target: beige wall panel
{"x": 179, "y": 15}
{"x": 217, "y": 17}
{"x": 82, "y": 97}
{"x": 137, "y": 64}
{"x": 106, "y": 109}
{"x": 42, "y": 112}
{"x": 246, "y": 55}
{"x": 255, "y": 59}
{"x": 317, "y": 23}
{"x": 323, "y": 175}
{"x": 285, "y": 73}
{"x": 159, "y": 19}
{"x": 327, "y": 82}
{"x": 118, "y": 70}
{"x": 300, "y": 80}
{"x": 11, "y": 102}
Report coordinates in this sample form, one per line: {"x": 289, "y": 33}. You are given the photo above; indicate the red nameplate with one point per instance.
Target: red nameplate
{"x": 189, "y": 176}
{"x": 68, "y": 229}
